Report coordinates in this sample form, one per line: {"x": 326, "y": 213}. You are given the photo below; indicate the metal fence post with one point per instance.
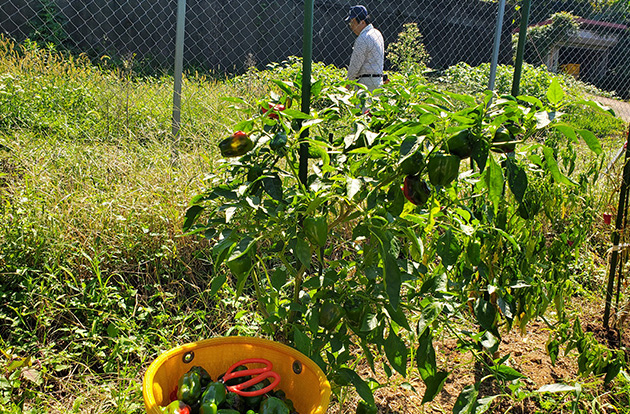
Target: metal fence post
{"x": 520, "y": 49}
{"x": 497, "y": 45}
{"x": 179, "y": 65}
{"x": 307, "y": 48}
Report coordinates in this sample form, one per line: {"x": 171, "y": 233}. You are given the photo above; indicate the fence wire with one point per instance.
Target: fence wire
{"x": 589, "y": 40}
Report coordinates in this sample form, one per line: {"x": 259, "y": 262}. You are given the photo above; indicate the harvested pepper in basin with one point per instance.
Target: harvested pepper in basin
{"x": 189, "y": 388}
{"x": 176, "y": 407}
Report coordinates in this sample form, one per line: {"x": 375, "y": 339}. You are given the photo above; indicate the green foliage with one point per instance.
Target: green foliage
{"x": 473, "y": 243}
{"x": 407, "y": 54}
{"x": 534, "y": 82}
{"x": 48, "y": 27}
{"x": 540, "y": 39}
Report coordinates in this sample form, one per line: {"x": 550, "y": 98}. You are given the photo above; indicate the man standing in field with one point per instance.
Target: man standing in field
{"x": 366, "y": 62}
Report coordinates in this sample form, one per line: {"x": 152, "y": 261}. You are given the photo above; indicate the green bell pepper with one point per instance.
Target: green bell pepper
{"x": 208, "y": 408}
{"x": 189, "y": 387}
{"x": 273, "y": 405}
{"x": 215, "y": 393}
{"x": 443, "y": 169}
{"x": 203, "y": 375}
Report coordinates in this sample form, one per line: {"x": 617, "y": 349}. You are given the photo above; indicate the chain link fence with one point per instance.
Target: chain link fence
{"x": 589, "y": 40}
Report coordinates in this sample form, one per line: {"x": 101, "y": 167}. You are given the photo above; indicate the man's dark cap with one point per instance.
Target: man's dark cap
{"x": 357, "y": 12}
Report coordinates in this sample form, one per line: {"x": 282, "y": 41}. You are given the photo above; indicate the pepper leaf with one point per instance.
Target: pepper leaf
{"x": 448, "y": 248}
{"x": 494, "y": 182}
{"x": 517, "y": 179}
{"x": 363, "y": 389}
{"x": 467, "y": 400}
{"x": 396, "y": 353}
{"x": 555, "y": 94}
{"x": 591, "y": 140}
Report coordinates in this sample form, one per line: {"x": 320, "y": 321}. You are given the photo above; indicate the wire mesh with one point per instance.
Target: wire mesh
{"x": 588, "y": 40}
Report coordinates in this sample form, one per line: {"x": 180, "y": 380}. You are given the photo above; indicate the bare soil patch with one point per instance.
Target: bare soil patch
{"x": 528, "y": 355}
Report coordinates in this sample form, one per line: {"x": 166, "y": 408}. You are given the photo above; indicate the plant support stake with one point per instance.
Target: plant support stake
{"x": 179, "y": 67}
{"x": 623, "y": 193}
{"x": 520, "y": 48}
{"x": 307, "y": 50}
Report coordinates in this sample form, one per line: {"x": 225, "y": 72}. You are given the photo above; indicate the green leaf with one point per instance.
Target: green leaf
{"x": 481, "y": 151}
{"x": 484, "y": 404}
{"x": 398, "y": 316}
{"x": 217, "y": 282}
{"x": 517, "y": 179}
{"x": 473, "y": 251}
{"x": 425, "y": 356}
{"x": 391, "y": 271}
{"x": 393, "y": 278}
{"x": 486, "y": 314}
{"x": 273, "y": 187}
{"x": 278, "y": 278}
{"x": 552, "y": 167}
{"x": 553, "y": 349}
{"x": 292, "y": 113}
{"x": 396, "y": 353}
{"x": 495, "y": 182}
{"x": 596, "y": 105}
{"x": 568, "y": 131}
{"x": 591, "y": 140}
{"x": 429, "y": 314}
{"x": 507, "y": 373}
{"x": 543, "y": 119}
{"x": 285, "y": 86}
{"x": 191, "y": 215}
{"x": 302, "y": 341}
{"x": 363, "y": 389}
{"x": 303, "y": 252}
{"x": 467, "y": 400}
{"x": 490, "y": 342}
{"x": 555, "y": 94}
{"x": 448, "y": 248}
{"x": 353, "y": 186}
{"x": 434, "y": 386}
{"x": 242, "y": 248}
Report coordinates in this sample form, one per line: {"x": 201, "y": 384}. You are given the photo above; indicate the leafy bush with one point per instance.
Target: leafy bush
{"x": 389, "y": 238}
{"x": 407, "y": 54}
{"x": 534, "y": 81}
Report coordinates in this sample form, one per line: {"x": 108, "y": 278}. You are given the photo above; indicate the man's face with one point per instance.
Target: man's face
{"x": 355, "y": 26}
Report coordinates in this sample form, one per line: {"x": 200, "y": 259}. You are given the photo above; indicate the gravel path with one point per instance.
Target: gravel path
{"x": 621, "y": 108}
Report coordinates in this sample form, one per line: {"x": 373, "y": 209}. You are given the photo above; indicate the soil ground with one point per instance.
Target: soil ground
{"x": 528, "y": 355}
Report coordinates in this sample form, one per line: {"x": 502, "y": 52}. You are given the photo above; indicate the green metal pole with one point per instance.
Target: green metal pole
{"x": 623, "y": 193}
{"x": 520, "y": 48}
{"x": 307, "y": 58}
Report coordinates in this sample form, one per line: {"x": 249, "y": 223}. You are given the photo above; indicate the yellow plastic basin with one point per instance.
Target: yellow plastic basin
{"x": 301, "y": 379}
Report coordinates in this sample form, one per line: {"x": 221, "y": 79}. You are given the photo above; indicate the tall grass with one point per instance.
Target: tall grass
{"x": 95, "y": 275}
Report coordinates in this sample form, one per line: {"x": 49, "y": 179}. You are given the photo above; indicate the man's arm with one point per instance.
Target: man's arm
{"x": 357, "y": 59}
